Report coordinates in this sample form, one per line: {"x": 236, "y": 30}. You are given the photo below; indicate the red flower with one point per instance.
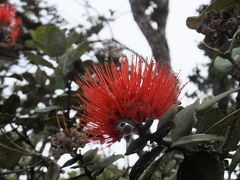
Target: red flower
{"x": 10, "y": 22}
{"x": 115, "y": 100}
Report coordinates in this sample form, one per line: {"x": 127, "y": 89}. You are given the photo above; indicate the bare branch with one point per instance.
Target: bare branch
{"x": 156, "y": 37}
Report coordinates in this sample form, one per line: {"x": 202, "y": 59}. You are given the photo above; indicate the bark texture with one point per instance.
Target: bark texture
{"x": 151, "y": 17}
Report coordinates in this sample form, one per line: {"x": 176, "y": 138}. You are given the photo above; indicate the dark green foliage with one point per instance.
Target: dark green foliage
{"x": 200, "y": 166}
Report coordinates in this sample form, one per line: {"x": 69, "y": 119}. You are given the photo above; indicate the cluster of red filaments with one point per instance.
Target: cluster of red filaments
{"x": 116, "y": 99}
{"x": 9, "y": 24}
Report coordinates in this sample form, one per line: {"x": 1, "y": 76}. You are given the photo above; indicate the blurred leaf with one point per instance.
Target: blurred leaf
{"x": 209, "y": 118}
{"x": 8, "y": 158}
{"x": 61, "y": 100}
{"x": 235, "y": 161}
{"x": 5, "y": 118}
{"x": 29, "y": 44}
{"x": 143, "y": 162}
{"x": 136, "y": 145}
{"x": 73, "y": 38}
{"x": 208, "y": 103}
{"x": 16, "y": 76}
{"x": 223, "y": 123}
{"x": 80, "y": 177}
{"x": 105, "y": 163}
{"x": 224, "y": 66}
{"x": 28, "y": 121}
{"x": 169, "y": 166}
{"x": 88, "y": 64}
{"x": 29, "y": 77}
{"x": 50, "y": 39}
{"x": 148, "y": 173}
{"x": 163, "y": 130}
{"x": 53, "y": 171}
{"x": 41, "y": 77}
{"x": 70, "y": 162}
{"x": 57, "y": 81}
{"x": 200, "y": 166}
{"x": 233, "y": 143}
{"x": 235, "y": 43}
{"x": 38, "y": 60}
{"x": 48, "y": 109}
{"x": 72, "y": 55}
{"x": 236, "y": 54}
{"x": 11, "y": 104}
{"x": 89, "y": 155}
{"x": 121, "y": 178}
{"x": 196, "y": 139}
{"x": 165, "y": 164}
{"x": 184, "y": 121}
{"x": 170, "y": 115}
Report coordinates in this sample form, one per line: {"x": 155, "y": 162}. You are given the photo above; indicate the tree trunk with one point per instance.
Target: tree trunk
{"x": 153, "y": 25}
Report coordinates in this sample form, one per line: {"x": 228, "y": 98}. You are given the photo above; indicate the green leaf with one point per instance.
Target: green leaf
{"x": 29, "y": 122}
{"x": 89, "y": 155}
{"x": 105, "y": 163}
{"x": 80, "y": 177}
{"x": 38, "y": 60}
{"x": 224, "y": 66}
{"x": 57, "y": 81}
{"x": 165, "y": 165}
{"x": 208, "y": 103}
{"x": 184, "y": 121}
{"x": 236, "y": 54}
{"x": 16, "y": 76}
{"x": 73, "y": 38}
{"x": 48, "y": 109}
{"x": 70, "y": 162}
{"x": 121, "y": 178}
{"x": 143, "y": 162}
{"x": 196, "y": 139}
{"x": 200, "y": 166}
{"x": 50, "y": 39}
{"x": 71, "y": 56}
{"x": 169, "y": 116}
{"x": 163, "y": 131}
{"x": 206, "y": 120}
{"x": 88, "y": 64}
{"x": 41, "y": 77}
{"x": 136, "y": 145}
{"x": 233, "y": 143}
{"x": 148, "y": 173}
{"x": 223, "y": 123}
{"x": 5, "y": 118}
{"x": 9, "y": 158}
{"x": 235, "y": 43}
{"x": 29, "y": 77}
{"x": 11, "y": 104}
{"x": 235, "y": 161}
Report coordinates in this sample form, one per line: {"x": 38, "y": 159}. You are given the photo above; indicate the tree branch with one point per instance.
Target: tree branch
{"x": 156, "y": 37}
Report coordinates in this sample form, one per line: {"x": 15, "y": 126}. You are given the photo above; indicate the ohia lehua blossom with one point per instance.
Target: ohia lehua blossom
{"x": 115, "y": 100}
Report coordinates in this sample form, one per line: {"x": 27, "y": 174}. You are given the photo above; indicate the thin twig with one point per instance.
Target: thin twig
{"x": 24, "y": 137}
{"x": 17, "y": 146}
{"x": 17, "y": 150}
{"x": 21, "y": 170}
